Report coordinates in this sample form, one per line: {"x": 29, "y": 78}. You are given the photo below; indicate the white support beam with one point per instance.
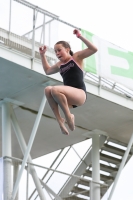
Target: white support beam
{"x": 23, "y": 147}
{"x": 6, "y": 149}
{"x": 31, "y": 140}
{"x": 1, "y": 177}
{"x": 95, "y": 157}
{"x": 15, "y": 174}
{"x": 27, "y": 185}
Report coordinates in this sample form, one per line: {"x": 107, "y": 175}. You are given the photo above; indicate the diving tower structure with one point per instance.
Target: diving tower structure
{"x": 30, "y": 130}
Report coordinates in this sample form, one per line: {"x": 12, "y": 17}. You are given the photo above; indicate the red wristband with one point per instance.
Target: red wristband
{"x": 78, "y": 35}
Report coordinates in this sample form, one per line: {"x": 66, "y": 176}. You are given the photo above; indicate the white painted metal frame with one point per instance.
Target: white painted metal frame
{"x": 10, "y": 16}
{"x": 8, "y": 116}
{"x": 15, "y": 174}
{"x": 1, "y": 178}
{"x": 27, "y": 185}
{"x": 95, "y": 167}
{"x": 47, "y": 173}
{"x": 44, "y": 12}
{"x": 95, "y": 157}
{"x": 23, "y": 147}
{"x": 26, "y": 155}
{"x": 43, "y": 28}
{"x": 33, "y": 37}
{"x": 64, "y": 173}
{"x": 50, "y": 190}
{"x": 6, "y": 149}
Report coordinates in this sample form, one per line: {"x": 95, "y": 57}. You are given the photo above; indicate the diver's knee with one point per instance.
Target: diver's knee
{"x": 47, "y": 90}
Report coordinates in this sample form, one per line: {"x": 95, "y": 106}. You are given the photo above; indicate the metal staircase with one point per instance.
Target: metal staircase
{"x": 111, "y": 153}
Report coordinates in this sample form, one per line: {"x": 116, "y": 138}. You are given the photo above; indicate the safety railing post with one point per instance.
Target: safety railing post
{"x": 10, "y": 19}
{"x": 33, "y": 39}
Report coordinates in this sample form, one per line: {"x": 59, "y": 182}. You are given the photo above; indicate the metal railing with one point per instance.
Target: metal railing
{"x": 25, "y": 46}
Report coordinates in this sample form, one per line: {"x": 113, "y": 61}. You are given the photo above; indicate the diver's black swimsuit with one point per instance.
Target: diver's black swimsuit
{"x": 72, "y": 75}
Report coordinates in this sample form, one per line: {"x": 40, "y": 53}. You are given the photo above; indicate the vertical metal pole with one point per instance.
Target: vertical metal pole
{"x": 43, "y": 32}
{"x": 33, "y": 39}
{"x": 10, "y": 17}
{"x": 49, "y": 34}
{"x": 121, "y": 166}
{"x": 44, "y": 29}
{"x": 6, "y": 149}
{"x": 34, "y": 130}
{"x": 27, "y": 188}
{"x": 23, "y": 147}
{"x": 95, "y": 167}
{"x": 90, "y": 184}
{"x": 15, "y": 174}
{"x": 1, "y": 177}
{"x": 99, "y": 87}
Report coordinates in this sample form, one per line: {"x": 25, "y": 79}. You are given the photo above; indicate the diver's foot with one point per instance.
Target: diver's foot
{"x": 71, "y": 122}
{"x": 63, "y": 129}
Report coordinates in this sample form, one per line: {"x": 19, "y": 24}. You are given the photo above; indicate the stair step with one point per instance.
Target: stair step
{"x": 109, "y": 182}
{"x": 108, "y": 169}
{"x": 87, "y": 193}
{"x": 113, "y": 150}
{"x": 74, "y": 198}
{"x": 80, "y": 190}
{"x": 83, "y": 182}
{"x": 103, "y": 177}
{"x": 109, "y": 159}
{"x": 117, "y": 142}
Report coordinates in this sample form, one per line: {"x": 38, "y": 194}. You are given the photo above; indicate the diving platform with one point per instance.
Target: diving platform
{"x": 26, "y": 86}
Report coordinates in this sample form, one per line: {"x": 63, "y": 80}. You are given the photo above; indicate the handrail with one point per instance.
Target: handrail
{"x": 45, "y": 12}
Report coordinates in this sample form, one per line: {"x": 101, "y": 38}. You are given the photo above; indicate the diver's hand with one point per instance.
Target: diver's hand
{"x": 43, "y": 49}
{"x": 77, "y": 33}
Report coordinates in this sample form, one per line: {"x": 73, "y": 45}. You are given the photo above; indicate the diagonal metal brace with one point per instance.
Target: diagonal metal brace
{"x": 23, "y": 147}
{"x": 33, "y": 133}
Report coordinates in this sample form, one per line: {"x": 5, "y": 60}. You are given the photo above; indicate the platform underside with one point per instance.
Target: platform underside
{"x": 26, "y": 86}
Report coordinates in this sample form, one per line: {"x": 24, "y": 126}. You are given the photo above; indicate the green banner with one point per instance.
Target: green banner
{"x": 89, "y": 63}
{"x": 128, "y": 56}
{"x": 110, "y": 61}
